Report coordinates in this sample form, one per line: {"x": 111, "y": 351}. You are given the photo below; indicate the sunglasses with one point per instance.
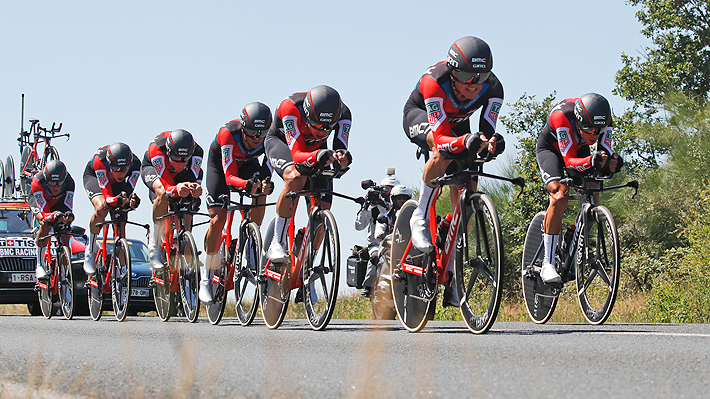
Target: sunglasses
{"x": 119, "y": 169}
{"x": 255, "y": 133}
{"x": 470, "y": 77}
{"x": 55, "y": 183}
{"x": 593, "y": 131}
{"x": 322, "y": 127}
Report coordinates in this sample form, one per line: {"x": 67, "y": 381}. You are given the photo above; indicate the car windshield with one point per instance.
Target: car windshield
{"x": 139, "y": 252}
{"x": 15, "y": 221}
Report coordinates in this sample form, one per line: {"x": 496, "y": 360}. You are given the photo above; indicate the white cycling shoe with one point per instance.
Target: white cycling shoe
{"x": 548, "y": 274}
{"x": 205, "y": 293}
{"x": 277, "y": 253}
{"x": 89, "y": 266}
{"x": 421, "y": 238}
{"x": 156, "y": 259}
{"x": 40, "y": 273}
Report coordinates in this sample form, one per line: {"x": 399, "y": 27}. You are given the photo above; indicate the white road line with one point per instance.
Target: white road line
{"x": 660, "y": 334}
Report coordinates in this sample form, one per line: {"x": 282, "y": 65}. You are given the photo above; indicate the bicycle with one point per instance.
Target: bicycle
{"x": 113, "y": 268}
{"x": 478, "y": 251}
{"x": 238, "y": 272}
{"x": 592, "y": 243}
{"x": 182, "y": 271}
{"x": 30, "y": 161}
{"x": 315, "y": 254}
{"x": 60, "y": 277}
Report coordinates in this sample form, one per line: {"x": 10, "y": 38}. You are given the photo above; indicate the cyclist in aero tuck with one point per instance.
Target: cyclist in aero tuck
{"x": 377, "y": 202}
{"x": 296, "y": 146}
{"x": 109, "y": 180}
{"x": 573, "y": 125}
{"x": 171, "y": 167}
{"x": 233, "y": 160}
{"x": 436, "y": 117}
{"x": 52, "y": 201}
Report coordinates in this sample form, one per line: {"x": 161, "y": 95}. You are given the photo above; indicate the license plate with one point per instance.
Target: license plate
{"x": 23, "y": 278}
{"x": 140, "y": 292}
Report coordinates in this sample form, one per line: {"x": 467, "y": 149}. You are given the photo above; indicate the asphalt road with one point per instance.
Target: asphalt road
{"x": 144, "y": 357}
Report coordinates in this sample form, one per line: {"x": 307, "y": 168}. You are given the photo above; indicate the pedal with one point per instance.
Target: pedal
{"x": 399, "y": 275}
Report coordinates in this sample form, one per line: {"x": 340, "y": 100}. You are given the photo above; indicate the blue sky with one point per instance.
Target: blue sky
{"x": 128, "y": 70}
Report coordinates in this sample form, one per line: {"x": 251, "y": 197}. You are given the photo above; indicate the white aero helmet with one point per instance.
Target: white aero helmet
{"x": 390, "y": 180}
{"x": 401, "y": 189}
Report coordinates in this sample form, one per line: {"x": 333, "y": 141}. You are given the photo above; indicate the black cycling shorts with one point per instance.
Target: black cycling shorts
{"x": 215, "y": 182}
{"x": 91, "y": 184}
{"x": 550, "y": 161}
{"x": 416, "y": 125}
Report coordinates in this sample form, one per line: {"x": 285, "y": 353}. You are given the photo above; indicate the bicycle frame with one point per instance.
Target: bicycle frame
{"x": 40, "y": 135}
{"x": 50, "y": 259}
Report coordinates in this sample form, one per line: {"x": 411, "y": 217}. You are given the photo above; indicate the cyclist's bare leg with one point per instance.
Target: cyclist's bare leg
{"x": 160, "y": 208}
{"x": 44, "y": 229}
{"x": 419, "y": 223}
{"x": 293, "y": 181}
{"x": 256, "y": 215}
{"x": 559, "y": 197}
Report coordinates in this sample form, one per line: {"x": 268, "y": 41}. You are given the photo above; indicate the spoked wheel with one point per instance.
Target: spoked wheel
{"x": 321, "y": 270}
{"x": 215, "y": 309}
{"x": 382, "y": 301}
{"x": 120, "y": 278}
{"x": 246, "y": 269}
{"x": 479, "y": 261}
{"x": 540, "y": 298}
{"x": 95, "y": 285}
{"x": 274, "y": 284}
{"x": 598, "y": 266}
{"x": 412, "y": 307}
{"x": 162, "y": 295}
{"x": 50, "y": 154}
{"x": 189, "y": 280}
{"x": 65, "y": 279}
{"x": 45, "y": 294}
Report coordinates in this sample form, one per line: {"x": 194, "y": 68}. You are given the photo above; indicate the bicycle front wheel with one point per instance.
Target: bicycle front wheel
{"x": 215, "y": 309}
{"x": 598, "y": 266}
{"x": 50, "y": 154}
{"x": 66, "y": 282}
{"x": 274, "y": 284}
{"x": 162, "y": 294}
{"x": 25, "y": 178}
{"x": 246, "y": 270}
{"x": 321, "y": 271}
{"x": 120, "y": 278}
{"x": 540, "y": 298}
{"x": 45, "y": 294}
{"x": 95, "y": 286}
{"x": 189, "y": 271}
{"x": 479, "y": 260}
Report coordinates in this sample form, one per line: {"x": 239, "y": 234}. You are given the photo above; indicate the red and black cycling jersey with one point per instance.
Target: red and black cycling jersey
{"x": 290, "y": 126}
{"x": 42, "y": 200}
{"x": 99, "y": 167}
{"x": 562, "y": 136}
{"x": 157, "y": 157}
{"x": 434, "y": 93}
{"x": 234, "y": 152}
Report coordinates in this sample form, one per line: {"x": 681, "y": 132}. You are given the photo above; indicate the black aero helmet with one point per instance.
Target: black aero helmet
{"x": 180, "y": 145}
{"x": 470, "y": 59}
{"x": 55, "y": 172}
{"x": 593, "y": 113}
{"x": 256, "y": 119}
{"x": 119, "y": 157}
{"x": 323, "y": 107}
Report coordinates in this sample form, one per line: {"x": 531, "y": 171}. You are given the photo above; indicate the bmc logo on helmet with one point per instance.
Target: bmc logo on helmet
{"x": 259, "y": 123}
{"x": 452, "y": 62}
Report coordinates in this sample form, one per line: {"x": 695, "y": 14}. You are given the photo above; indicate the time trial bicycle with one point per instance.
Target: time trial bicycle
{"x": 113, "y": 267}
{"x": 314, "y": 260}
{"x": 31, "y": 160}
{"x": 473, "y": 238}
{"x": 587, "y": 253}
{"x": 238, "y": 272}
{"x": 179, "y": 279}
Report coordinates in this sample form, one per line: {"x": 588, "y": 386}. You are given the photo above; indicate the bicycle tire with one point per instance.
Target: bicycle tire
{"x": 50, "y": 154}
{"x": 479, "y": 263}
{"x": 540, "y": 301}
{"x": 44, "y": 294}
{"x": 162, "y": 294}
{"x": 121, "y": 278}
{"x": 321, "y": 270}
{"x": 412, "y": 309}
{"x": 189, "y": 275}
{"x": 382, "y": 302}
{"x": 598, "y": 267}
{"x": 65, "y": 279}
{"x": 273, "y": 294}
{"x": 246, "y": 271}
{"x": 2, "y": 180}
{"x": 26, "y": 179}
{"x": 215, "y": 309}
{"x": 96, "y": 290}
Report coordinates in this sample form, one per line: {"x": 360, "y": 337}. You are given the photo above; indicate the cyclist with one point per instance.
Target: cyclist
{"x": 436, "y": 117}
{"x": 573, "y": 125}
{"x": 52, "y": 201}
{"x": 171, "y": 168}
{"x": 233, "y": 160}
{"x": 296, "y": 146}
{"x": 109, "y": 179}
{"x": 376, "y": 203}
